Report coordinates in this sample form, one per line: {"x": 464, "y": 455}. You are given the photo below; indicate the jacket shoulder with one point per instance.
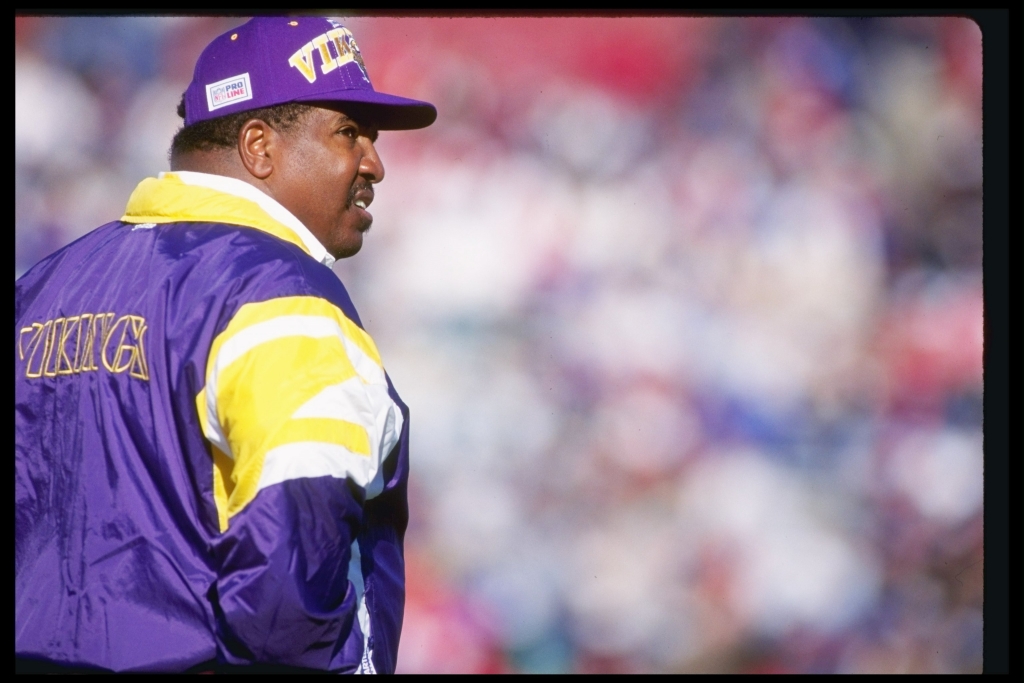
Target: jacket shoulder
{"x": 252, "y": 266}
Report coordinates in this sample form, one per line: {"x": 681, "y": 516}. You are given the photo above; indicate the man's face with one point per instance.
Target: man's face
{"x": 325, "y": 176}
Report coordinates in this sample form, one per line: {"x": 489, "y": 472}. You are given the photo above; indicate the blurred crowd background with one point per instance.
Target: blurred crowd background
{"x": 688, "y": 312}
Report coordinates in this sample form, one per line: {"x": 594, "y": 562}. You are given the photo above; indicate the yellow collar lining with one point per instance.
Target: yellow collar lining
{"x": 169, "y": 199}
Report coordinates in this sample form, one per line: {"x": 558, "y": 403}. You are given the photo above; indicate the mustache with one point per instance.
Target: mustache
{"x": 355, "y": 190}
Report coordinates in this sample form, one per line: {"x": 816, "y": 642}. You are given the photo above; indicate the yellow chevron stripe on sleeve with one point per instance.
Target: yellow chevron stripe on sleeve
{"x": 255, "y": 313}
{"x": 257, "y": 395}
{"x": 323, "y": 430}
{"x": 269, "y": 383}
{"x": 262, "y": 369}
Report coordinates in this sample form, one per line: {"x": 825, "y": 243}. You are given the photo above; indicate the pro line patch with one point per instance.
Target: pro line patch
{"x": 228, "y": 91}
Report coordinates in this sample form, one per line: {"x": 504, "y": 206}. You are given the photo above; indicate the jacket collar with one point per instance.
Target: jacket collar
{"x": 187, "y": 196}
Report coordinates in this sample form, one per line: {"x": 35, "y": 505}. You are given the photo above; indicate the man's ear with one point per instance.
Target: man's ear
{"x": 256, "y": 145}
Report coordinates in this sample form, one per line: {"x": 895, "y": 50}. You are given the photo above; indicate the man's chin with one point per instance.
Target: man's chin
{"x": 350, "y": 247}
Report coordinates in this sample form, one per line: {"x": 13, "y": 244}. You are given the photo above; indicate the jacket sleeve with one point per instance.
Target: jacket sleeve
{"x": 297, "y": 412}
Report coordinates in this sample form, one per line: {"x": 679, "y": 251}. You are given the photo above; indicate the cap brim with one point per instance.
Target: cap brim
{"x": 385, "y": 112}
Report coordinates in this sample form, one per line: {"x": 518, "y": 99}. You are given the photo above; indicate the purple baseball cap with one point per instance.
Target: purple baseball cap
{"x": 274, "y": 60}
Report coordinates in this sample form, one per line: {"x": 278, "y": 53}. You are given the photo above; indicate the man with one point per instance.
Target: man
{"x": 210, "y": 461}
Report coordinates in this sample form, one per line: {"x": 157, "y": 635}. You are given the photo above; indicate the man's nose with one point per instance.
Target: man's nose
{"x": 371, "y": 166}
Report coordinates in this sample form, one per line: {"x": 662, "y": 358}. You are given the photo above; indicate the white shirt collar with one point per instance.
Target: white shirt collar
{"x": 273, "y": 208}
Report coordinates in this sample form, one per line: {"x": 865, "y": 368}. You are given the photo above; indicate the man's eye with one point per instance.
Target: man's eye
{"x": 349, "y": 132}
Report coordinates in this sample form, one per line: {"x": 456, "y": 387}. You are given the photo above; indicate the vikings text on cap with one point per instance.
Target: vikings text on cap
{"x": 344, "y": 44}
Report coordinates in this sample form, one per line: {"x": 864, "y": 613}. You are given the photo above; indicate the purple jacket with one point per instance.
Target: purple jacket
{"x": 210, "y": 461}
